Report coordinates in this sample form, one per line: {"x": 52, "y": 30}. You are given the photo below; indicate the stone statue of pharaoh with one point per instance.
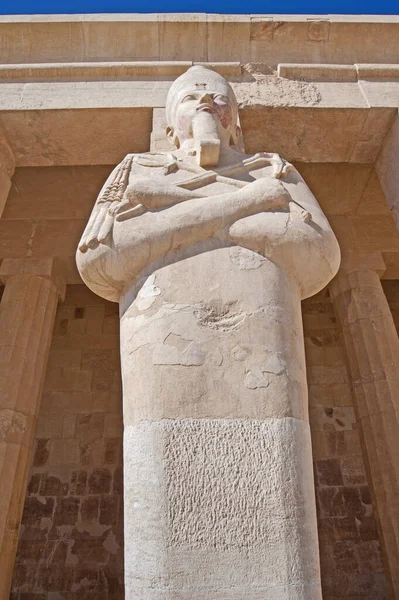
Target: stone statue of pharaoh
{"x": 209, "y": 252}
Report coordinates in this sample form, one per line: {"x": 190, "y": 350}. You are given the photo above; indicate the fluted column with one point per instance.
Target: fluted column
{"x": 372, "y": 348}
{"x": 7, "y": 166}
{"x": 27, "y": 312}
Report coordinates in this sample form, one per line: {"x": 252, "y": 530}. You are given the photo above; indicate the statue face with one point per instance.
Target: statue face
{"x": 213, "y": 103}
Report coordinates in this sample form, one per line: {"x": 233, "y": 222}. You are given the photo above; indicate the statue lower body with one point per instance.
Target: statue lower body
{"x": 219, "y": 492}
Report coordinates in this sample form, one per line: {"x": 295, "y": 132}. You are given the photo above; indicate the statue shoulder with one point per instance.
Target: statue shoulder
{"x": 112, "y": 195}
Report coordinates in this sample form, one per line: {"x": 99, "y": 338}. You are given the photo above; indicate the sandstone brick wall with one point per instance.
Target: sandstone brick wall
{"x": 351, "y": 561}
{"x": 71, "y": 543}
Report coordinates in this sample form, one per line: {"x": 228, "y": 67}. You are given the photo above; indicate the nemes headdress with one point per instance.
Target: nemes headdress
{"x": 201, "y": 78}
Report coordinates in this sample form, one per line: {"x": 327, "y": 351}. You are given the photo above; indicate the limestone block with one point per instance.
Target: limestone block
{"x": 228, "y": 38}
{"x": 173, "y": 37}
{"x": 257, "y": 125}
{"x": 339, "y": 39}
{"x": 70, "y": 141}
{"x": 316, "y": 121}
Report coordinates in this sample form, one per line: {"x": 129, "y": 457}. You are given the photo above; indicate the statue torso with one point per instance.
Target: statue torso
{"x": 141, "y": 238}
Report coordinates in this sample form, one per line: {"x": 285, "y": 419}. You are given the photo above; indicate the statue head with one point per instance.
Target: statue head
{"x": 201, "y": 110}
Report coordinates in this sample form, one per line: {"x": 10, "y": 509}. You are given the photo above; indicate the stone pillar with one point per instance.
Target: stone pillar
{"x": 387, "y": 170}
{"x": 372, "y": 348}
{"x": 27, "y": 312}
{"x": 7, "y": 166}
{"x": 219, "y": 491}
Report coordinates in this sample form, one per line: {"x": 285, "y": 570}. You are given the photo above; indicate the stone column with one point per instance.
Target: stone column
{"x": 219, "y": 491}
{"x": 372, "y": 348}
{"x": 7, "y": 166}
{"x": 27, "y": 312}
{"x": 387, "y": 170}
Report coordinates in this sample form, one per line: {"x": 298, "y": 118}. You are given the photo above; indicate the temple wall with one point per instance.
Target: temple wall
{"x": 71, "y": 543}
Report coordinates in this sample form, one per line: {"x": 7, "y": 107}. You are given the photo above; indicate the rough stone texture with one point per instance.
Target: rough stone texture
{"x": 71, "y": 542}
{"x": 240, "y": 369}
{"x": 223, "y": 500}
{"x": 27, "y": 315}
{"x": 345, "y": 39}
{"x": 351, "y": 563}
{"x": 372, "y": 345}
{"x": 350, "y": 553}
{"x": 7, "y": 167}
{"x": 335, "y": 113}
{"x": 386, "y": 168}
{"x": 227, "y": 347}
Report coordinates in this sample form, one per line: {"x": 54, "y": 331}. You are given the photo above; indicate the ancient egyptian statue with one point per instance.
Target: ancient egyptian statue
{"x": 209, "y": 252}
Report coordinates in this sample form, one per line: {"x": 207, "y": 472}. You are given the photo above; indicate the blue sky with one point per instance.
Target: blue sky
{"x": 387, "y": 7}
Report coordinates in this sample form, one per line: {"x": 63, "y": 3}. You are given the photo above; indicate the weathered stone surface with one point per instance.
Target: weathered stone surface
{"x": 212, "y": 369}
{"x": 387, "y": 173}
{"x": 228, "y": 493}
{"x": 372, "y": 346}
{"x": 27, "y": 316}
{"x": 71, "y": 541}
{"x": 348, "y": 539}
{"x": 49, "y": 116}
{"x": 345, "y": 39}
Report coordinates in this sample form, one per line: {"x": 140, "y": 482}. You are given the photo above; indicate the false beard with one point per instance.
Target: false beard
{"x": 206, "y": 139}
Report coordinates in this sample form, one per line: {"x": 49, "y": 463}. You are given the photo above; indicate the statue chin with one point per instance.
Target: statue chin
{"x": 207, "y": 152}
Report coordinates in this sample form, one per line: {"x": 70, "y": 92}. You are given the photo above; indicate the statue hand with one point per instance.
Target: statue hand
{"x": 266, "y": 194}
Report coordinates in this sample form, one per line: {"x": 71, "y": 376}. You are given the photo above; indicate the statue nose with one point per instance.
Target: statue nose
{"x": 206, "y": 99}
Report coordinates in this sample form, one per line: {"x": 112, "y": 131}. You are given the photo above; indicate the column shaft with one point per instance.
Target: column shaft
{"x": 27, "y": 313}
{"x": 372, "y": 348}
{"x": 7, "y": 166}
{"x": 219, "y": 491}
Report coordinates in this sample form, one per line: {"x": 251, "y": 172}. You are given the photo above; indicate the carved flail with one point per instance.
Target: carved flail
{"x": 101, "y": 220}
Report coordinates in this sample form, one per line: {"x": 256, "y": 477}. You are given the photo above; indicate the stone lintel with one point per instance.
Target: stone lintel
{"x": 47, "y": 137}
{"x": 337, "y": 72}
{"x": 272, "y": 39}
{"x": 112, "y": 69}
{"x": 45, "y": 268}
{"x": 312, "y": 72}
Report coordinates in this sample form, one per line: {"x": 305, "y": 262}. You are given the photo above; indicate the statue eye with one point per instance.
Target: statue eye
{"x": 188, "y": 97}
{"x": 220, "y": 98}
